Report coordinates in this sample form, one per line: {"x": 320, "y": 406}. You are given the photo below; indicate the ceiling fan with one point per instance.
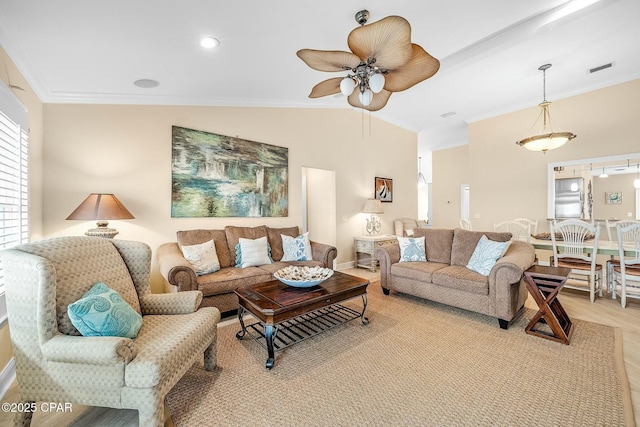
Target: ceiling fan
{"x": 382, "y": 61}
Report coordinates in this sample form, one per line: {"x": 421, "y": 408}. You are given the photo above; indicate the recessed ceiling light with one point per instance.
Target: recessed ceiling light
{"x": 449, "y": 114}
{"x": 209, "y": 42}
{"x": 146, "y": 83}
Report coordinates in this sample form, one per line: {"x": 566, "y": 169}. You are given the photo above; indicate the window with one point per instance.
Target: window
{"x": 14, "y": 190}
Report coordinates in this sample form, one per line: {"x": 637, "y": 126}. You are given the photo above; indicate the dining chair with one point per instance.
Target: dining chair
{"x": 518, "y": 230}
{"x": 610, "y": 225}
{"x": 465, "y": 224}
{"x": 627, "y": 271}
{"x": 533, "y": 224}
{"x": 568, "y": 239}
{"x": 627, "y": 239}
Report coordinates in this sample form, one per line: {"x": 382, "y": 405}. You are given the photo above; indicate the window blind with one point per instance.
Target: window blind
{"x": 14, "y": 173}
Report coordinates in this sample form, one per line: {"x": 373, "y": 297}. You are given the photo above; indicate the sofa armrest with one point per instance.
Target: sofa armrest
{"x": 88, "y": 350}
{"x": 386, "y": 256}
{"x": 505, "y": 278}
{"x": 323, "y": 253}
{"x": 175, "y": 269}
{"x": 177, "y": 303}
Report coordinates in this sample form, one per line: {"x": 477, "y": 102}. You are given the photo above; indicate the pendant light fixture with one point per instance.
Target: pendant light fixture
{"x": 603, "y": 174}
{"x": 547, "y": 139}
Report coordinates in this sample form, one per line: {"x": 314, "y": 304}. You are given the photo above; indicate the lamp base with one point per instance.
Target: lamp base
{"x": 102, "y": 231}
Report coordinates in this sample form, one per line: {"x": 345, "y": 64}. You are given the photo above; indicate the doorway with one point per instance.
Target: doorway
{"x": 464, "y": 202}
{"x": 319, "y": 204}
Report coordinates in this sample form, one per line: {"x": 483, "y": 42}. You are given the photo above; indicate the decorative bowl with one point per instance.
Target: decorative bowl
{"x": 302, "y": 277}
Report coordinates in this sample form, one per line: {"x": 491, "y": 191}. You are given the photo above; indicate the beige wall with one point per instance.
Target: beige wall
{"x": 10, "y": 75}
{"x": 508, "y": 181}
{"x": 127, "y": 150}
{"x": 614, "y": 183}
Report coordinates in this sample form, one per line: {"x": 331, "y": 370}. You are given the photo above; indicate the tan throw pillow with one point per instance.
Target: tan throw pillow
{"x": 202, "y": 257}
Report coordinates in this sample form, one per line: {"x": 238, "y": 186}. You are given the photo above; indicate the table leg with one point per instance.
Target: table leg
{"x": 268, "y": 334}
{"x": 365, "y": 320}
{"x": 242, "y": 332}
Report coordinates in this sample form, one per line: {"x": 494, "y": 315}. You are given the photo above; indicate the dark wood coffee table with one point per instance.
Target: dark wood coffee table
{"x": 287, "y": 315}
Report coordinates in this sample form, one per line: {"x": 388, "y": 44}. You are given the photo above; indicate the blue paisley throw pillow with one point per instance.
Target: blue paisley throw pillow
{"x": 485, "y": 255}
{"x": 101, "y": 312}
{"x": 296, "y": 248}
{"x": 412, "y": 249}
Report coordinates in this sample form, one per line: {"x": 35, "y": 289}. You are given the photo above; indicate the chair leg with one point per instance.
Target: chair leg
{"x": 600, "y": 284}
{"x": 152, "y": 416}
{"x": 210, "y": 357}
{"x": 23, "y": 418}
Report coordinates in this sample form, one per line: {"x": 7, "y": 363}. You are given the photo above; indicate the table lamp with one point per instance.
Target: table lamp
{"x": 373, "y": 207}
{"x": 101, "y": 207}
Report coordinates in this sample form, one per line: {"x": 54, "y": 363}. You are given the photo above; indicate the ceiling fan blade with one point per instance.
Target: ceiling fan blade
{"x": 378, "y": 102}
{"x": 388, "y": 40}
{"x": 328, "y": 60}
{"x": 326, "y": 87}
{"x": 419, "y": 68}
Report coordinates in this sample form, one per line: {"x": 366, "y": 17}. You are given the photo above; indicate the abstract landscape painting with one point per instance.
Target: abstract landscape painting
{"x": 221, "y": 176}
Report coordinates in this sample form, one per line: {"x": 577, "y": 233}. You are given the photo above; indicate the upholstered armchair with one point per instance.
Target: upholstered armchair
{"x": 54, "y": 363}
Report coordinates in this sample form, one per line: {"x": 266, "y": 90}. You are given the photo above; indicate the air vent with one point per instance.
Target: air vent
{"x": 600, "y": 68}
{"x": 449, "y": 114}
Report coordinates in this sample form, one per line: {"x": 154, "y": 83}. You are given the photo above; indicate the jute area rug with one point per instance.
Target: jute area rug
{"x": 416, "y": 363}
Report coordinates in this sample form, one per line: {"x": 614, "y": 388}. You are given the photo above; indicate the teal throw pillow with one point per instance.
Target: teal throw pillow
{"x": 486, "y": 254}
{"x": 101, "y": 312}
{"x": 296, "y": 248}
{"x": 412, "y": 249}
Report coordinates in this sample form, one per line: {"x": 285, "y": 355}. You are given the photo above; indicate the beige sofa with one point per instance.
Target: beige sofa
{"x": 444, "y": 277}
{"x": 404, "y": 226}
{"x": 218, "y": 288}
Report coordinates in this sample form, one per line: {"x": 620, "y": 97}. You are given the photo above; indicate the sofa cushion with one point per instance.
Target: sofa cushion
{"x": 437, "y": 243}
{"x": 274, "y": 235}
{"x": 202, "y": 257}
{"x": 420, "y": 271}
{"x": 235, "y": 233}
{"x": 465, "y": 242}
{"x": 229, "y": 279}
{"x": 219, "y": 237}
{"x": 101, "y": 312}
{"x": 457, "y": 277}
{"x": 272, "y": 268}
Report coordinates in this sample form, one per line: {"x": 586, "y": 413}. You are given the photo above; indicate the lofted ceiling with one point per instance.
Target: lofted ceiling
{"x": 88, "y": 51}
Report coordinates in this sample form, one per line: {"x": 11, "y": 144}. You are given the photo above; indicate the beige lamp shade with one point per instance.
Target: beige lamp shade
{"x": 373, "y": 206}
{"x": 101, "y": 207}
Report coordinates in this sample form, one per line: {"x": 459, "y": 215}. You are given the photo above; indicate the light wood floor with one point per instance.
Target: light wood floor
{"x": 576, "y": 303}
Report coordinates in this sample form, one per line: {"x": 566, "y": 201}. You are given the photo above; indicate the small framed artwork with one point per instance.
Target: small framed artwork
{"x": 613, "y": 198}
{"x": 384, "y": 189}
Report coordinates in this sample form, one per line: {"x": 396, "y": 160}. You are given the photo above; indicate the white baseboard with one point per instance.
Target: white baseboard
{"x": 345, "y": 265}
{"x": 7, "y": 376}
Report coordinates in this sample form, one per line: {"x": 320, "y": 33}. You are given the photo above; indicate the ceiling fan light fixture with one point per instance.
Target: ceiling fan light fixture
{"x": 376, "y": 82}
{"x": 365, "y": 97}
{"x": 347, "y": 85}
{"x": 382, "y": 61}
{"x": 547, "y": 139}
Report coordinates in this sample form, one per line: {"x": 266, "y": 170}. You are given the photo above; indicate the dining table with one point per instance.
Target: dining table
{"x": 605, "y": 247}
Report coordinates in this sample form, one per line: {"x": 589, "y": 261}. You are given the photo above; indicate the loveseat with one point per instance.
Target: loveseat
{"x": 218, "y": 287}
{"x": 445, "y": 278}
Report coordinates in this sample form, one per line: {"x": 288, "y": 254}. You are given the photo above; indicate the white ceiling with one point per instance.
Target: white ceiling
{"x": 88, "y": 51}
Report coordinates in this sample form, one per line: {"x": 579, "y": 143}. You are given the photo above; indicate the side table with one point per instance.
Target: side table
{"x": 366, "y": 245}
{"x": 544, "y": 283}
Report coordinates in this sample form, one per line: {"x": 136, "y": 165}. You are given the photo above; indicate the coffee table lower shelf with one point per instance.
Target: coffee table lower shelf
{"x": 297, "y": 329}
